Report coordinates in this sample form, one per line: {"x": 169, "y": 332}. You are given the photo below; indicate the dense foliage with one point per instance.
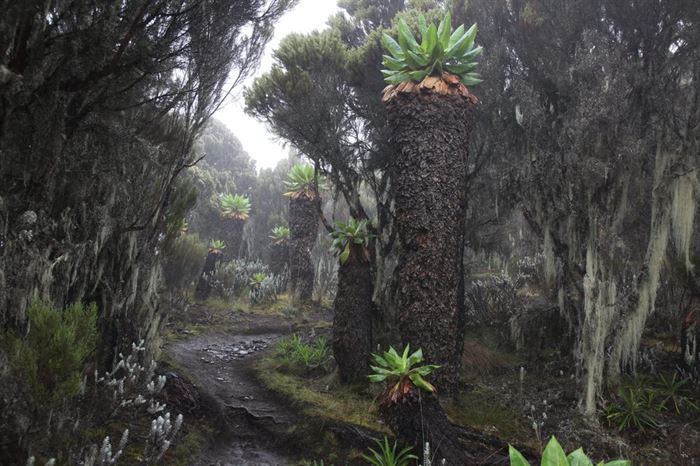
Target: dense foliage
{"x": 348, "y": 236}
{"x": 441, "y": 49}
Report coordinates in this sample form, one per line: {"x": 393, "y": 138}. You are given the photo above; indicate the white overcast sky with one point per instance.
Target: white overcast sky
{"x": 307, "y": 16}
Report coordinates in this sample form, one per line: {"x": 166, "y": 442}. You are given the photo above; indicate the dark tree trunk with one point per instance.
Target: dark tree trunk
{"x": 233, "y": 237}
{"x": 303, "y": 226}
{"x": 279, "y": 257}
{"x": 418, "y": 418}
{"x": 352, "y": 322}
{"x": 430, "y": 132}
{"x": 204, "y": 284}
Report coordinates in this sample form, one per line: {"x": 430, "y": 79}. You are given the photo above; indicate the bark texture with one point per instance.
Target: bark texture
{"x": 279, "y": 257}
{"x": 303, "y": 226}
{"x": 204, "y": 284}
{"x": 418, "y": 418}
{"x": 233, "y": 238}
{"x": 430, "y": 132}
{"x": 352, "y": 321}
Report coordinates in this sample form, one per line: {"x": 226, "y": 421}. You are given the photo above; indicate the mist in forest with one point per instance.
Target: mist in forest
{"x": 479, "y": 247}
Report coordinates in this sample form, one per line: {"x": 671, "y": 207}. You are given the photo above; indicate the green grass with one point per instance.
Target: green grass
{"x": 187, "y": 447}
{"x": 341, "y": 404}
{"x": 477, "y": 408}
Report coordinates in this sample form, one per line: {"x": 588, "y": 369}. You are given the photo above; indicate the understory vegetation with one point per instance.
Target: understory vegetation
{"x": 479, "y": 248}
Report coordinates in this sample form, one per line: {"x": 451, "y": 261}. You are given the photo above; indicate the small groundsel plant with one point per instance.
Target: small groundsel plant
{"x": 263, "y": 288}
{"x": 234, "y": 206}
{"x": 402, "y": 371}
{"x": 674, "y": 394}
{"x": 302, "y": 182}
{"x": 355, "y": 232}
{"x": 257, "y": 279}
{"x": 217, "y": 246}
{"x": 386, "y": 455}
{"x": 302, "y": 355}
{"x": 636, "y": 410}
{"x": 554, "y": 455}
{"x": 441, "y": 50}
{"x": 280, "y": 233}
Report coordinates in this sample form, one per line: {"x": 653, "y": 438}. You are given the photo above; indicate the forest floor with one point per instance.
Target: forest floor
{"x": 247, "y": 407}
{"x": 217, "y": 350}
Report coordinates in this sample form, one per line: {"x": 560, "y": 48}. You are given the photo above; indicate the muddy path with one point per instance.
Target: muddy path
{"x": 223, "y": 367}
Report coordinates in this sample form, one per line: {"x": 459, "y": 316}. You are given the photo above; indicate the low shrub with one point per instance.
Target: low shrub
{"x": 299, "y": 354}
{"x": 233, "y": 278}
{"x": 54, "y": 408}
{"x": 388, "y": 456}
{"x": 636, "y": 409}
{"x": 675, "y": 394}
{"x": 183, "y": 259}
{"x": 50, "y": 357}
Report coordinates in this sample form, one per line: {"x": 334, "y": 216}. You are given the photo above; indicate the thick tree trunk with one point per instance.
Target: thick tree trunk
{"x": 279, "y": 257}
{"x": 418, "y": 419}
{"x": 430, "y": 132}
{"x": 233, "y": 237}
{"x": 352, "y": 322}
{"x": 303, "y": 226}
{"x": 204, "y": 284}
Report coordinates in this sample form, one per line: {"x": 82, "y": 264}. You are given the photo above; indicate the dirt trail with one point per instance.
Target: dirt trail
{"x": 254, "y": 419}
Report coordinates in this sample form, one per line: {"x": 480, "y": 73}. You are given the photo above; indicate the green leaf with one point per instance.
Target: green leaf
{"x": 579, "y": 458}
{"x": 461, "y": 68}
{"x": 516, "y": 459}
{"x": 345, "y": 254}
{"x": 416, "y": 357}
{"x": 472, "y": 54}
{"x": 422, "y": 26}
{"x": 430, "y": 40}
{"x": 425, "y": 370}
{"x": 397, "y": 78}
{"x": 618, "y": 463}
{"x": 444, "y": 30}
{"x": 380, "y": 360}
{"x": 554, "y": 455}
{"x": 470, "y": 35}
{"x": 383, "y": 371}
{"x": 406, "y": 39}
{"x": 393, "y": 63}
{"x": 456, "y": 35}
{"x": 392, "y": 46}
{"x": 420, "y": 382}
{"x": 376, "y": 378}
{"x": 470, "y": 79}
{"x": 416, "y": 60}
{"x": 418, "y": 76}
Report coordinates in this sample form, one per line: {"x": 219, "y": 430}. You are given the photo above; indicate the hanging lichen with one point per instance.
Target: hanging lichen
{"x": 550, "y": 270}
{"x": 683, "y": 215}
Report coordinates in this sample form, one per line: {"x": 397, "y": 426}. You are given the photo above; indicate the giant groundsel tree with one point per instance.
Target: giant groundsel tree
{"x": 428, "y": 107}
{"x": 304, "y": 197}
{"x": 352, "y": 320}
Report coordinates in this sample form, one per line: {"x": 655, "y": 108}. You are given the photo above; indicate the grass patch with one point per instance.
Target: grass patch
{"x": 187, "y": 447}
{"x": 341, "y": 404}
{"x": 478, "y": 408}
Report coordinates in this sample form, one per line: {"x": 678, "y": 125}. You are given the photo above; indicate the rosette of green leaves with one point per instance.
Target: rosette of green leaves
{"x": 234, "y": 206}
{"x": 392, "y": 366}
{"x": 280, "y": 233}
{"x": 441, "y": 49}
{"x": 301, "y": 182}
{"x": 257, "y": 279}
{"x": 217, "y": 246}
{"x": 347, "y": 234}
{"x": 554, "y": 455}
